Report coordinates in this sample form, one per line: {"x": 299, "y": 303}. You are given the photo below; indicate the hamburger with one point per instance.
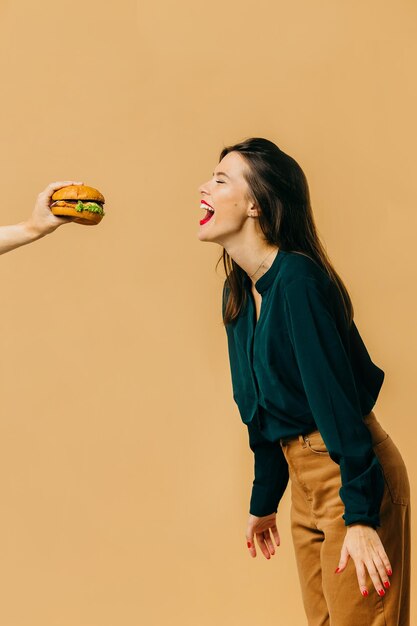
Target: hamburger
{"x": 84, "y": 204}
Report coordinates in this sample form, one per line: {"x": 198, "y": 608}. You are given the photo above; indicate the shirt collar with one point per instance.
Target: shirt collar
{"x": 266, "y": 280}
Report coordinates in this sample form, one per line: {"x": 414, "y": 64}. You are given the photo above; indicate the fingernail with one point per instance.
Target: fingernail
{"x": 389, "y": 572}
{"x": 249, "y": 544}
{"x": 381, "y": 592}
{"x": 365, "y": 592}
{"x": 387, "y": 584}
{"x": 337, "y": 570}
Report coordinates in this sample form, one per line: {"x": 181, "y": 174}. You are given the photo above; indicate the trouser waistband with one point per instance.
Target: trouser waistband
{"x": 302, "y": 438}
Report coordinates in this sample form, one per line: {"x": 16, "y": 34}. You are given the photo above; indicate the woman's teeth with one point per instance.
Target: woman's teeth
{"x": 209, "y": 213}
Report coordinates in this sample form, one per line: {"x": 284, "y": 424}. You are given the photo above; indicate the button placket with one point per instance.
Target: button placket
{"x": 252, "y": 355}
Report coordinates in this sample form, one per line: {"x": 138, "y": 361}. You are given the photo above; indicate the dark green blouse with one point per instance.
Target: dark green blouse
{"x": 298, "y": 368}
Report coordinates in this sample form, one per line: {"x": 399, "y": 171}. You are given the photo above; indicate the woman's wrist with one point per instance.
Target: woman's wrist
{"x": 32, "y": 231}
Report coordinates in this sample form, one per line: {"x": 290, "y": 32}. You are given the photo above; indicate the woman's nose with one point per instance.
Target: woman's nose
{"x": 202, "y": 188}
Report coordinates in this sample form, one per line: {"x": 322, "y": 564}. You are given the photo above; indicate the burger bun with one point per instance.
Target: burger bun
{"x": 73, "y": 201}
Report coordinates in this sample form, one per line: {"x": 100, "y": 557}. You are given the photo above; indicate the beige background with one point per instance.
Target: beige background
{"x": 125, "y": 469}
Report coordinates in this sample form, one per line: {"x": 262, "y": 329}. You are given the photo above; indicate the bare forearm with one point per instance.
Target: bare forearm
{"x": 17, "y": 235}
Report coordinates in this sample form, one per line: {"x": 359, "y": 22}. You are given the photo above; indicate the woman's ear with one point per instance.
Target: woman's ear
{"x": 253, "y": 210}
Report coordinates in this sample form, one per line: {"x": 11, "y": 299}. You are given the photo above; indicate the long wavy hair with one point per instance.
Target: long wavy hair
{"x": 279, "y": 186}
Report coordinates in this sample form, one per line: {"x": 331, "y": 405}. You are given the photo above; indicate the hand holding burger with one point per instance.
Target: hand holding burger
{"x": 42, "y": 221}
{"x": 75, "y": 202}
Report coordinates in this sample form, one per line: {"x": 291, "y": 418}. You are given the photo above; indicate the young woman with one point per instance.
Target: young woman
{"x": 305, "y": 387}
{"x": 41, "y": 222}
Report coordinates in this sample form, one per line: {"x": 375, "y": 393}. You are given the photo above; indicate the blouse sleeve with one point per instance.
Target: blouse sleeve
{"x": 329, "y": 385}
{"x": 270, "y": 466}
{"x": 270, "y": 472}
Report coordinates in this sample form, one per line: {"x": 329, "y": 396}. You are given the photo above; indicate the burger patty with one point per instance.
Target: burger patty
{"x": 77, "y": 201}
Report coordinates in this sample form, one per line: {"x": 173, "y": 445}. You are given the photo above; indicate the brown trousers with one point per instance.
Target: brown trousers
{"x": 318, "y": 531}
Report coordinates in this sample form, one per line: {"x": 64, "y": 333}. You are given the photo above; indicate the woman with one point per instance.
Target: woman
{"x": 41, "y": 222}
{"x": 305, "y": 387}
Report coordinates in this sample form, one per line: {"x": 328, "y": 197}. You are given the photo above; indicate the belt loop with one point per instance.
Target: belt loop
{"x": 302, "y": 441}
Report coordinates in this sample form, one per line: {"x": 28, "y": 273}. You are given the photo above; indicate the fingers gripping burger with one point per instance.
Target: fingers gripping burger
{"x": 84, "y": 204}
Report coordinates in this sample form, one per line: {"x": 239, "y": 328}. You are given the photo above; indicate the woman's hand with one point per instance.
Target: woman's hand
{"x": 262, "y": 527}
{"x": 43, "y": 221}
{"x": 363, "y": 544}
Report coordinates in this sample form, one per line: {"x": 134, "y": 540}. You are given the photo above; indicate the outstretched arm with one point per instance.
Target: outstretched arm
{"x": 41, "y": 222}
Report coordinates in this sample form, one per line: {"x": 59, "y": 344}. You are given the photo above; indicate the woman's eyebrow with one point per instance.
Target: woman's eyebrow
{"x": 221, "y": 174}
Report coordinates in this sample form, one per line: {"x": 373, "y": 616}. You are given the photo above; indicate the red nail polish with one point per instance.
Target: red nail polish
{"x": 337, "y": 570}
{"x": 387, "y": 584}
{"x": 249, "y": 544}
{"x": 365, "y": 593}
{"x": 389, "y": 572}
{"x": 381, "y": 592}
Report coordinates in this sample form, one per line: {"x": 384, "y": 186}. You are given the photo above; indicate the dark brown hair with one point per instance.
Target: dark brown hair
{"x": 279, "y": 187}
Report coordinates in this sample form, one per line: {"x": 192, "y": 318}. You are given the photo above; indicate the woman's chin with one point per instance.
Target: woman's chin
{"x": 203, "y": 236}
{"x": 204, "y": 232}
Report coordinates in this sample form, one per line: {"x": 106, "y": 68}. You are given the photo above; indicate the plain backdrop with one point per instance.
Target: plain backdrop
{"x": 125, "y": 469}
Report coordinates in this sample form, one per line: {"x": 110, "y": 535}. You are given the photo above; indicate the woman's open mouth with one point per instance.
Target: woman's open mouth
{"x": 209, "y": 214}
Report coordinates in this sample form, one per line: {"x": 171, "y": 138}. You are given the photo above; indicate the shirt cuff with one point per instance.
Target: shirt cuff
{"x": 362, "y": 494}
{"x": 270, "y": 472}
